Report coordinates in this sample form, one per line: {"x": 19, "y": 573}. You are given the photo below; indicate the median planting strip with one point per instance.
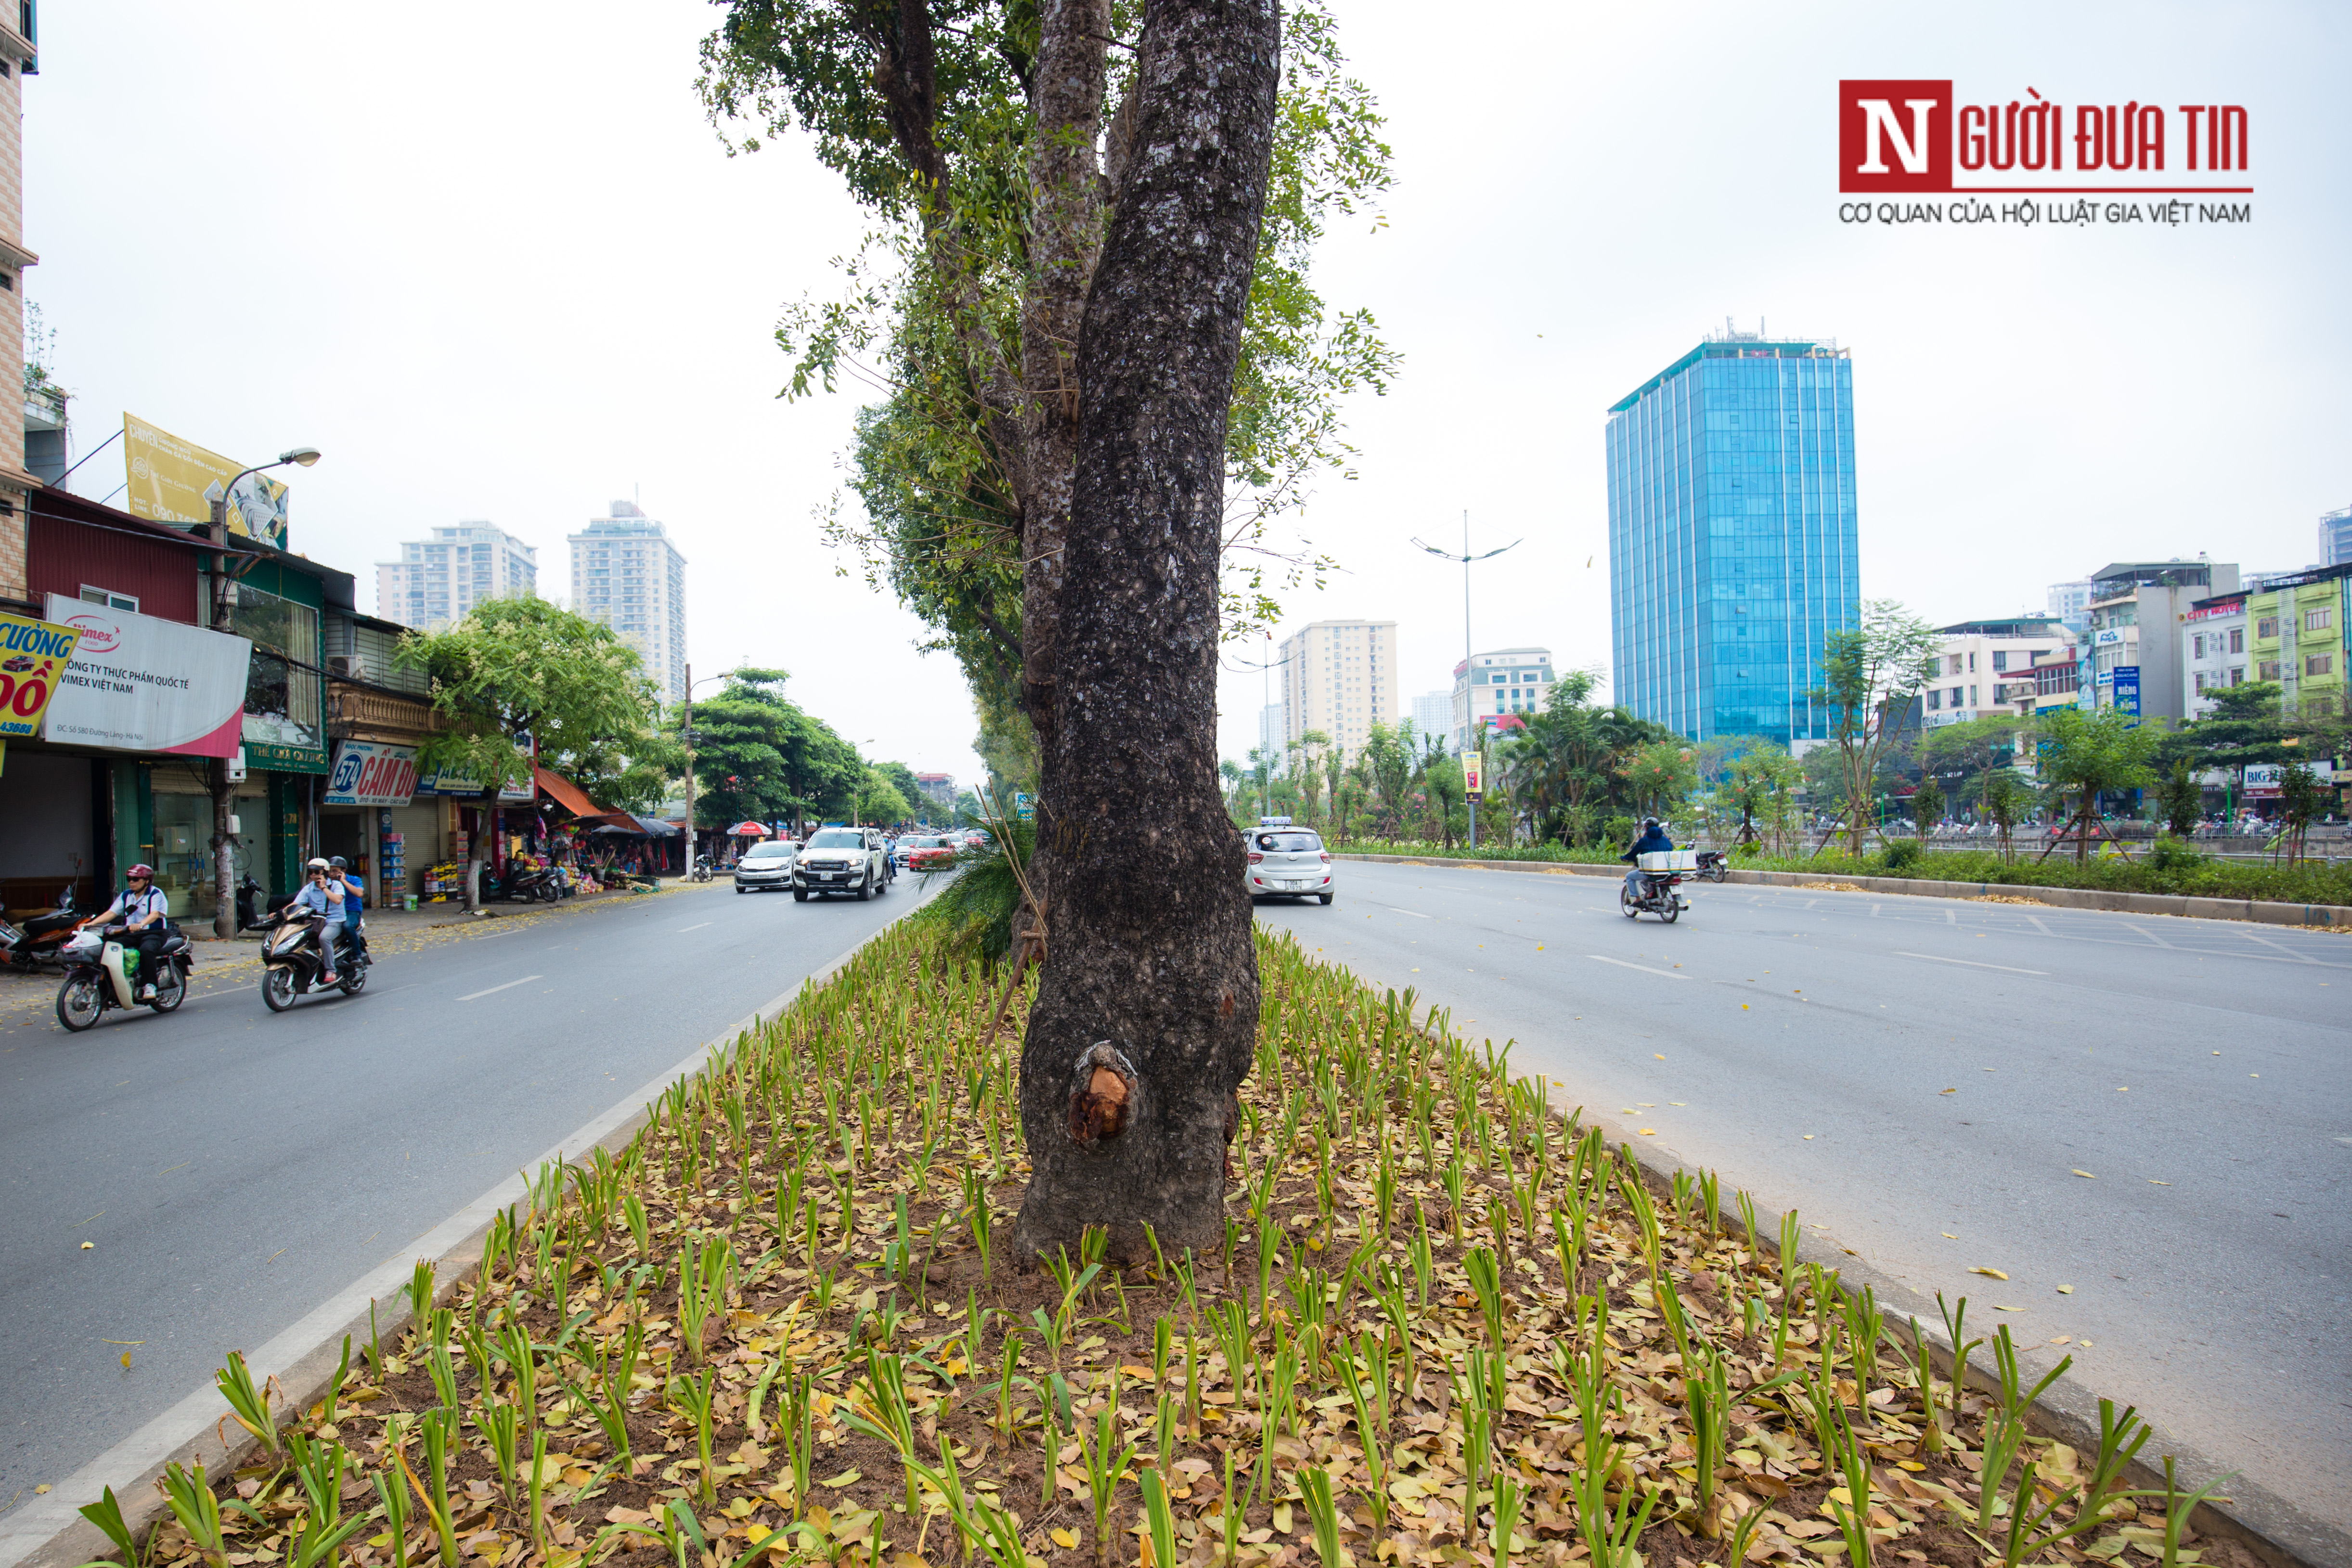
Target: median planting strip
{"x": 1445, "y": 1321}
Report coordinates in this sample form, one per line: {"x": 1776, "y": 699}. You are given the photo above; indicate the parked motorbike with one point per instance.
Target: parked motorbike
{"x": 292, "y": 963}
{"x": 101, "y": 971}
{"x": 1713, "y": 865}
{"x": 39, "y": 943}
{"x": 255, "y": 909}
{"x": 522, "y": 884}
{"x": 702, "y": 872}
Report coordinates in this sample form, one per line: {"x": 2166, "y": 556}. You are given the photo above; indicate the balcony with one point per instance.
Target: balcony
{"x": 364, "y": 712}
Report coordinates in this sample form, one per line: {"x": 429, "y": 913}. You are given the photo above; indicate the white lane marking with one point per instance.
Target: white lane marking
{"x": 1669, "y": 974}
{"x": 2298, "y": 957}
{"x": 1415, "y": 913}
{"x": 496, "y": 989}
{"x": 2143, "y": 931}
{"x": 1972, "y": 962}
{"x": 683, "y": 929}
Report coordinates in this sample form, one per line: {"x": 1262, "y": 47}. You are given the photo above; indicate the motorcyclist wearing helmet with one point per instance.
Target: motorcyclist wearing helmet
{"x": 323, "y": 899}
{"x": 354, "y": 904}
{"x": 1653, "y": 840}
{"x": 145, "y": 910}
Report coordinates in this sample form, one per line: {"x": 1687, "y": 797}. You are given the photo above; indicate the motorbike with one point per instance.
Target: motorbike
{"x": 101, "y": 971}
{"x": 522, "y": 884}
{"x": 292, "y": 963}
{"x": 39, "y": 943}
{"x": 1713, "y": 865}
{"x": 702, "y": 872}
{"x": 1661, "y": 873}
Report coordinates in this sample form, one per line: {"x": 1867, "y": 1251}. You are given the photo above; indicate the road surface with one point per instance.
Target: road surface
{"x": 231, "y": 1168}
{"x": 1930, "y": 1079}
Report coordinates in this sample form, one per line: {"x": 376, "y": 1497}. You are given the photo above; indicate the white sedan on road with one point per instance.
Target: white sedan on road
{"x": 1286, "y": 862}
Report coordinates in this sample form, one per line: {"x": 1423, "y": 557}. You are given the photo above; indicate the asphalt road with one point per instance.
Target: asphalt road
{"x": 231, "y": 1169}
{"x": 1928, "y": 1079}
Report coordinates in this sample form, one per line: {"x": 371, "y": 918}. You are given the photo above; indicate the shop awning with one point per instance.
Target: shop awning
{"x": 565, "y": 794}
{"x": 630, "y": 825}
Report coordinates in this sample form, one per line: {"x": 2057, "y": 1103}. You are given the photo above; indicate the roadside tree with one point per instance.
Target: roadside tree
{"x": 1869, "y": 678}
{"x": 1927, "y": 804}
{"x": 758, "y": 755}
{"x": 518, "y": 667}
{"x": 2088, "y": 753}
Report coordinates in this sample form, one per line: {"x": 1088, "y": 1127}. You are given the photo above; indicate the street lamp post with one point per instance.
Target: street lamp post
{"x": 686, "y": 732}
{"x": 1469, "y": 718}
{"x": 224, "y": 600}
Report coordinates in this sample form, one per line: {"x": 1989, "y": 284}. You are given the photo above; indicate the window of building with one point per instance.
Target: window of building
{"x": 1935, "y": 700}
{"x": 2266, "y": 669}
{"x": 109, "y": 598}
{"x": 2200, "y": 683}
{"x": 1972, "y": 664}
{"x": 2319, "y": 663}
{"x": 2000, "y": 660}
{"x": 2237, "y": 639}
{"x": 2265, "y": 627}
{"x": 2315, "y": 620}
{"x": 2237, "y": 675}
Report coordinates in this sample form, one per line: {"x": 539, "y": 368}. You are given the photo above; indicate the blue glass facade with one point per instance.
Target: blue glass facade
{"x": 1731, "y": 537}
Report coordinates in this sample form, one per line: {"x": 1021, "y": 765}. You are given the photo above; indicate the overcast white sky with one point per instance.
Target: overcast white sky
{"x": 503, "y": 270}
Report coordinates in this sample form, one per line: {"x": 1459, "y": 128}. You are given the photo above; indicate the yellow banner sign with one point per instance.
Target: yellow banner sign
{"x": 171, "y": 478}
{"x": 33, "y": 659}
{"x": 1474, "y": 774}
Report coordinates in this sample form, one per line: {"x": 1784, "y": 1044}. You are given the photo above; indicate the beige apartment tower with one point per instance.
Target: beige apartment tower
{"x": 627, "y": 573}
{"x": 1338, "y": 677}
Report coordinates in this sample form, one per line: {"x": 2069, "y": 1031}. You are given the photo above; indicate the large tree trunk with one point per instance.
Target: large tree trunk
{"x": 1146, "y": 1014}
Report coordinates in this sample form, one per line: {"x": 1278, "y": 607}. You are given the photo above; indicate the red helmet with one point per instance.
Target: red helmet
{"x": 141, "y": 870}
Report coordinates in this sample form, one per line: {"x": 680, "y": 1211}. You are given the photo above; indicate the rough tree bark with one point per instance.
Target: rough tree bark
{"x": 1147, "y": 1011}
{"x": 1064, "y": 236}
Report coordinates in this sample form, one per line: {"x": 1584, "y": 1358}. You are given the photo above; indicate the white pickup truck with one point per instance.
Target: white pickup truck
{"x": 841, "y": 860}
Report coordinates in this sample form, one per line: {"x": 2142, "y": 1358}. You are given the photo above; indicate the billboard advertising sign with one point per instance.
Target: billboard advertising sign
{"x": 139, "y": 684}
{"x": 1474, "y": 774}
{"x": 169, "y": 478}
{"x": 2127, "y": 690}
{"x": 34, "y": 658}
{"x": 368, "y": 773}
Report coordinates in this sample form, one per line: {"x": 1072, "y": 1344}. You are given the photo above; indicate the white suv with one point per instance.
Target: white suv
{"x": 841, "y": 860}
{"x": 1286, "y": 862}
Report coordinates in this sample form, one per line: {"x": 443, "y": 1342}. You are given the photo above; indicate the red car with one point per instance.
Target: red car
{"x": 927, "y": 853}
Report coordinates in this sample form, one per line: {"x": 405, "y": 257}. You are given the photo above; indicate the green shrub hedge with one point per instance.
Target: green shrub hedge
{"x": 2169, "y": 869}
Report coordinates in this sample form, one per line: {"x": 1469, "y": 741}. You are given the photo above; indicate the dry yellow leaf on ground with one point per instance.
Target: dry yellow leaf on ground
{"x": 1989, "y": 1273}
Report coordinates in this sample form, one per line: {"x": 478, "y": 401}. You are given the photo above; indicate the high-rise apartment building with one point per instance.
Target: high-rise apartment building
{"x": 1338, "y": 677}
{"x": 437, "y": 580}
{"x": 2070, "y": 605}
{"x": 626, "y": 573}
{"x": 1732, "y": 551}
{"x": 1488, "y": 688}
{"x": 2336, "y": 538}
{"x": 1433, "y": 714}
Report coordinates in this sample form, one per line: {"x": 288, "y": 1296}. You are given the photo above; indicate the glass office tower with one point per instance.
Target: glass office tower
{"x": 1731, "y": 536}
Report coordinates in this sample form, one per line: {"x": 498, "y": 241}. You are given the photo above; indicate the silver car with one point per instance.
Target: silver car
{"x": 1286, "y": 862}
{"x": 766, "y": 864}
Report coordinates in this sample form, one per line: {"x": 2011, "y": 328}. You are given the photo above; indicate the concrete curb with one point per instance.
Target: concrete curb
{"x": 49, "y": 1532}
{"x": 2326, "y": 916}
